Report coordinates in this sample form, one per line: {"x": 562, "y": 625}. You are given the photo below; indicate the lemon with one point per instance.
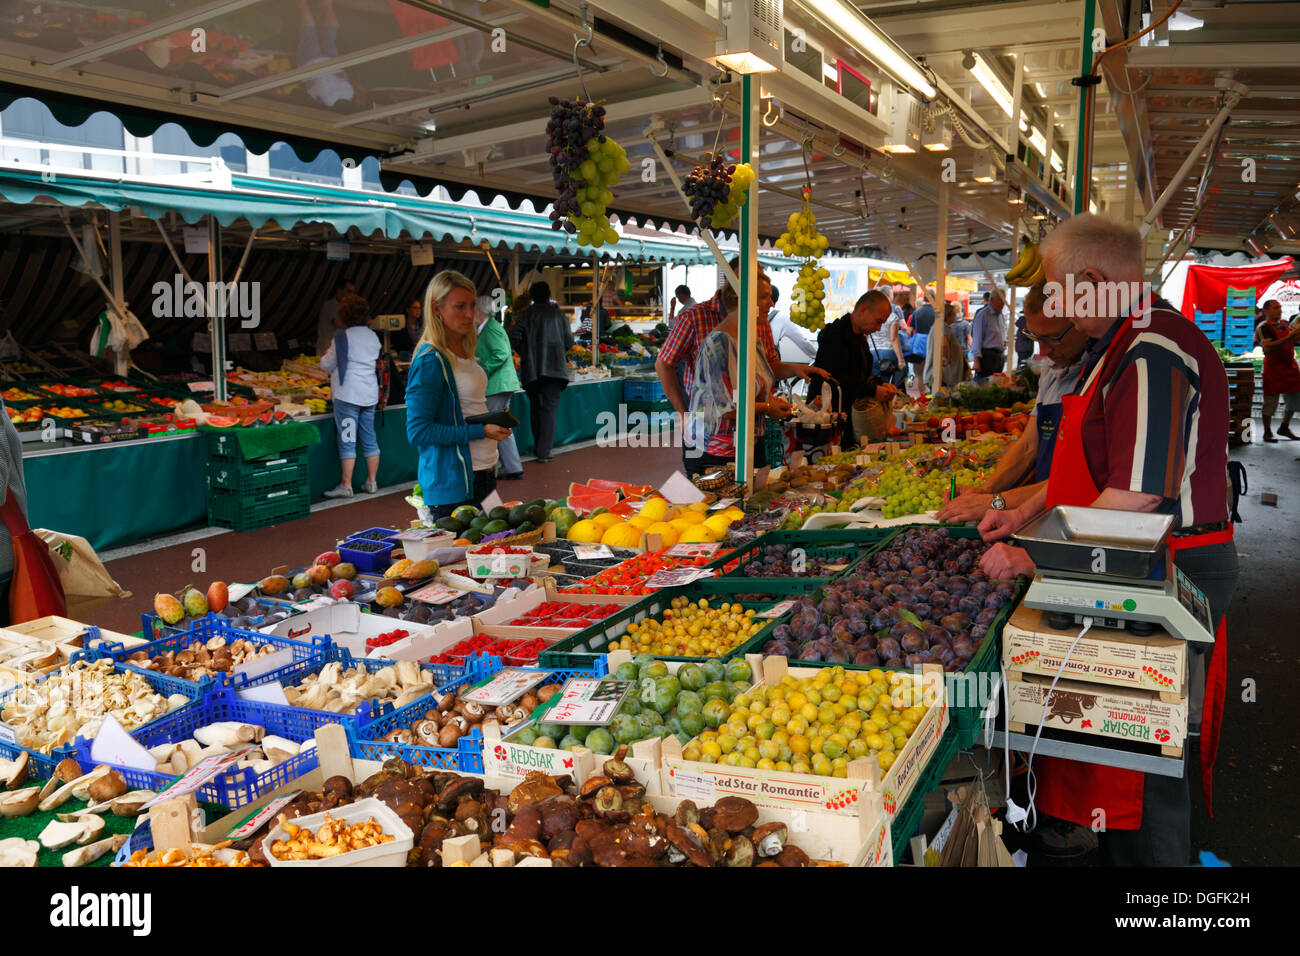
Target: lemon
{"x": 640, "y": 522}
{"x": 667, "y": 533}
{"x": 697, "y": 535}
{"x": 586, "y": 531}
{"x": 607, "y": 520}
{"x": 654, "y": 509}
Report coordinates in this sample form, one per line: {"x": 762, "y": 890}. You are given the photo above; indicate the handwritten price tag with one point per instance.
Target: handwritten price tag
{"x": 776, "y": 610}
{"x": 676, "y": 577}
{"x": 702, "y": 549}
{"x": 435, "y": 594}
{"x": 591, "y": 552}
{"x": 268, "y": 812}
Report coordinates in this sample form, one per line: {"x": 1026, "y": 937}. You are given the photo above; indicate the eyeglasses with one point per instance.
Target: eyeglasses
{"x": 1048, "y": 339}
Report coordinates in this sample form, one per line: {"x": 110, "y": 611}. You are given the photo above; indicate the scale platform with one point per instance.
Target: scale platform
{"x": 1114, "y": 567}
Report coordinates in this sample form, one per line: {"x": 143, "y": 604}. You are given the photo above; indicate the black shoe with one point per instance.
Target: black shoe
{"x": 1270, "y": 439}
{"x": 513, "y": 476}
{"x": 1285, "y": 432}
{"x": 546, "y": 459}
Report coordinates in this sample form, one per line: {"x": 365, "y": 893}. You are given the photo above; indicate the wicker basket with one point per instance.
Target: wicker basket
{"x": 532, "y": 537}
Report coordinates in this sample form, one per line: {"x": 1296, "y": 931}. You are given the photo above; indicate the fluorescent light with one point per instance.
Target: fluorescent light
{"x": 848, "y": 22}
{"x": 830, "y": 72}
{"x": 992, "y": 85}
{"x": 745, "y": 62}
{"x": 1039, "y": 142}
{"x": 985, "y": 170}
{"x": 1042, "y": 90}
{"x": 1184, "y": 21}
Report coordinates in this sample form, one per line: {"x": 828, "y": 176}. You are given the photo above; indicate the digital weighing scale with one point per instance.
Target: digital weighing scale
{"x": 1114, "y": 567}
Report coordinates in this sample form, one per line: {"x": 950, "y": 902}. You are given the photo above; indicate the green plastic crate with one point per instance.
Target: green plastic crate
{"x": 582, "y": 649}
{"x": 240, "y": 512}
{"x": 649, "y": 407}
{"x": 286, "y": 469}
{"x": 908, "y": 819}
{"x": 851, "y": 545}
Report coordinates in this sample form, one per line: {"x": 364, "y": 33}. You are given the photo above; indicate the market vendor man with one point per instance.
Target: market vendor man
{"x": 682, "y": 348}
{"x": 1022, "y": 470}
{"x": 843, "y": 350}
{"x": 1146, "y": 431}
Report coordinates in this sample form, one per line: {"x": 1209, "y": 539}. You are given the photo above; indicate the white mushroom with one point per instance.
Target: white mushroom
{"x": 19, "y": 803}
{"x": 92, "y": 852}
{"x": 15, "y": 851}
{"x": 57, "y": 834}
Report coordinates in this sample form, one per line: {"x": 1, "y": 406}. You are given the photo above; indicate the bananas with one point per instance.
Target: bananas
{"x": 1028, "y": 270}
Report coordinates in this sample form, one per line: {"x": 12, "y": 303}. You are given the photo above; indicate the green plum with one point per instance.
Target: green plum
{"x": 691, "y": 676}
{"x": 669, "y": 685}
{"x": 580, "y": 731}
{"x": 737, "y": 687}
{"x": 624, "y": 728}
{"x": 600, "y": 741}
{"x": 554, "y": 731}
{"x": 545, "y": 742}
{"x": 692, "y": 723}
{"x": 663, "y": 702}
{"x": 718, "y": 689}
{"x": 689, "y": 702}
{"x": 654, "y": 669}
{"x": 526, "y": 736}
{"x": 715, "y": 712}
{"x": 738, "y": 669}
{"x": 631, "y": 705}
{"x": 569, "y": 742}
{"x": 714, "y": 670}
{"x": 626, "y": 671}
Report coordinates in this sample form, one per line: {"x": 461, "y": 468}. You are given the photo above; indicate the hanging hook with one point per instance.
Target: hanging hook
{"x": 773, "y": 104}
{"x": 580, "y": 40}
{"x": 838, "y": 149}
{"x": 662, "y": 62}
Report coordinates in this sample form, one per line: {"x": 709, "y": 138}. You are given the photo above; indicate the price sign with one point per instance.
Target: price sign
{"x": 591, "y": 552}
{"x": 200, "y": 386}
{"x": 676, "y": 577}
{"x": 504, "y": 687}
{"x": 589, "y": 700}
{"x": 435, "y": 594}
{"x": 255, "y": 820}
{"x": 723, "y": 503}
{"x": 698, "y": 550}
{"x": 114, "y": 745}
{"x": 776, "y": 610}
{"x": 8, "y": 734}
{"x": 199, "y": 774}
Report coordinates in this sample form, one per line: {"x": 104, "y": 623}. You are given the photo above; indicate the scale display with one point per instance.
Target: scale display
{"x": 1174, "y": 603}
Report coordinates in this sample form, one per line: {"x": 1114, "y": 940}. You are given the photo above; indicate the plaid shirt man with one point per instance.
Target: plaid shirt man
{"x": 689, "y": 331}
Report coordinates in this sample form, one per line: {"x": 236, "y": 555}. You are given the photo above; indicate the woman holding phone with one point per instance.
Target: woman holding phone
{"x": 457, "y": 461}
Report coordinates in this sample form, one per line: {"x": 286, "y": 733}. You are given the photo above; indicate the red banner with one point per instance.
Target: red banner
{"x": 1207, "y": 286}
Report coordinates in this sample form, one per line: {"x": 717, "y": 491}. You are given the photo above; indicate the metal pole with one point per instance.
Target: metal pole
{"x": 595, "y": 307}
{"x": 121, "y": 357}
{"x": 940, "y": 281}
{"x": 216, "y": 311}
{"x": 748, "y": 332}
{"x": 1082, "y": 136}
{"x": 1230, "y": 102}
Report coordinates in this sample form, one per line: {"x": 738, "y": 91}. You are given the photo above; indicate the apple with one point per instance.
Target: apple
{"x": 342, "y": 589}
{"x": 329, "y": 559}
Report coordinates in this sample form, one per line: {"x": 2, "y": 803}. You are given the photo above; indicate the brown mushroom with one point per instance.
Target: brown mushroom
{"x": 534, "y": 788}
{"x": 527, "y": 848}
{"x": 68, "y": 770}
{"x": 631, "y": 793}
{"x": 644, "y": 839}
{"x": 528, "y": 702}
{"x": 792, "y": 856}
{"x": 769, "y": 838}
{"x": 686, "y": 846}
{"x": 433, "y": 714}
{"x": 741, "y": 851}
{"x": 593, "y": 786}
{"x": 608, "y": 800}
{"x": 462, "y": 788}
{"x": 607, "y": 848}
{"x": 107, "y": 787}
{"x": 446, "y": 702}
{"x": 426, "y": 733}
{"x": 588, "y": 829}
{"x": 429, "y": 847}
{"x": 547, "y": 691}
{"x": 527, "y": 825}
{"x": 559, "y": 815}
{"x": 734, "y": 814}
{"x": 473, "y": 712}
{"x": 616, "y": 769}
{"x": 458, "y": 721}
{"x": 717, "y": 841}
{"x": 448, "y": 736}
{"x": 687, "y": 813}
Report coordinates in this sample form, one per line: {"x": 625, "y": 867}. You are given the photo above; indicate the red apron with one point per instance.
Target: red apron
{"x": 1069, "y": 789}
{"x": 1281, "y": 373}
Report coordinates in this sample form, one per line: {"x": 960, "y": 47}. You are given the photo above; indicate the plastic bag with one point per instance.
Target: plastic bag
{"x": 871, "y": 420}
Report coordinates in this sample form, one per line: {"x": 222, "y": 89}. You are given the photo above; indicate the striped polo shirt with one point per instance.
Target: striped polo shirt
{"x": 1159, "y": 421}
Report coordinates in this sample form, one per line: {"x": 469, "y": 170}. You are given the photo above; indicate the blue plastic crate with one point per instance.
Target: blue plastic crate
{"x": 240, "y": 787}
{"x": 204, "y": 629}
{"x": 152, "y": 627}
{"x": 42, "y": 765}
{"x": 643, "y": 390}
{"x": 388, "y": 533}
{"x": 1240, "y": 325}
{"x": 375, "y": 562}
{"x": 467, "y": 755}
{"x": 297, "y": 672}
{"x": 141, "y": 838}
{"x": 1209, "y": 316}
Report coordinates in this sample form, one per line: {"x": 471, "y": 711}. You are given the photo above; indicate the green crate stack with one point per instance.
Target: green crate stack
{"x": 649, "y": 407}
{"x": 582, "y": 649}
{"x": 244, "y": 494}
{"x": 908, "y": 818}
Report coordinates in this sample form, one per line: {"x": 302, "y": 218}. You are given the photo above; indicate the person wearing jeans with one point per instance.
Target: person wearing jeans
{"x": 542, "y": 337}
{"x": 354, "y": 386}
{"x": 989, "y": 337}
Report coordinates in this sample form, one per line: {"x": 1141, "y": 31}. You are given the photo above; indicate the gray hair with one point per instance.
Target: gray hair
{"x": 1089, "y": 241}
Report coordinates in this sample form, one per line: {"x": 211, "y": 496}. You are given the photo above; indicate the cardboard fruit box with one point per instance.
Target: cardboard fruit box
{"x": 1138, "y": 716}
{"x": 777, "y": 788}
{"x": 1158, "y": 662}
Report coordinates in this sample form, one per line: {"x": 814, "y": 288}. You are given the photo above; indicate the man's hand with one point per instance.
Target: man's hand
{"x": 967, "y": 507}
{"x": 975, "y": 361}
{"x": 1004, "y": 561}
{"x": 885, "y": 393}
{"x": 996, "y": 525}
{"x": 496, "y": 432}
{"x": 779, "y": 408}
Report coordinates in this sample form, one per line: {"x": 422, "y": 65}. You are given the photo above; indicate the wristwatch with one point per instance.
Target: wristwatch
{"x": 998, "y": 503}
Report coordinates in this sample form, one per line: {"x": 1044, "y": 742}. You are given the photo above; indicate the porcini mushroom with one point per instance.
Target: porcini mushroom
{"x": 769, "y": 838}
{"x": 107, "y": 787}
{"x": 19, "y": 803}
{"x": 687, "y": 846}
{"x": 13, "y": 772}
{"x": 734, "y": 814}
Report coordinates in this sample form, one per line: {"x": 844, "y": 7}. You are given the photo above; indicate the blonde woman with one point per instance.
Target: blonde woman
{"x": 456, "y": 461}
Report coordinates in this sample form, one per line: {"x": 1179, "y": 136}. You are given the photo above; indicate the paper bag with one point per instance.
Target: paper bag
{"x": 86, "y": 582}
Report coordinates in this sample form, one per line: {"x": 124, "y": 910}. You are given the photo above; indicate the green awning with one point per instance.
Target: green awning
{"x": 288, "y": 204}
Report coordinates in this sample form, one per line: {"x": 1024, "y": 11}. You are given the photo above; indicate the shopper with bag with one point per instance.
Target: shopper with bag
{"x": 497, "y": 358}
{"x": 354, "y": 365}
{"x": 457, "y": 461}
{"x": 542, "y": 337}
{"x": 842, "y": 352}
{"x": 29, "y": 581}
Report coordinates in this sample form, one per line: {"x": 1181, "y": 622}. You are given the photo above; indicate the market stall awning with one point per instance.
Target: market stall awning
{"x": 259, "y": 201}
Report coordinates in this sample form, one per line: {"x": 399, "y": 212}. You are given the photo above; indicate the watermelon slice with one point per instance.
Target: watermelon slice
{"x": 586, "y": 502}
{"x": 623, "y": 509}
{"x": 622, "y": 487}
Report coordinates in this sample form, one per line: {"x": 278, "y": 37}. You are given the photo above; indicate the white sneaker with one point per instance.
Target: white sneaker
{"x": 371, "y": 487}
{"x": 341, "y": 491}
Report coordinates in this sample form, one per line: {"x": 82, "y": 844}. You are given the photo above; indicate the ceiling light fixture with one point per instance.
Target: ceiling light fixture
{"x": 992, "y": 84}
{"x": 847, "y": 21}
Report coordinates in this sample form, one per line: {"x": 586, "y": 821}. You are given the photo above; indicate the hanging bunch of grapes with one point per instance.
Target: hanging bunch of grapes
{"x": 801, "y": 240}
{"x": 585, "y": 163}
{"x": 717, "y": 189}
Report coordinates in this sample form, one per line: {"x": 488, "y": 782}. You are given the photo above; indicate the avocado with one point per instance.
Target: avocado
{"x": 451, "y": 524}
{"x": 526, "y": 527}
{"x": 478, "y": 522}
{"x": 466, "y": 513}
{"x": 473, "y": 536}
{"x": 536, "y": 503}
{"x": 499, "y": 513}
{"x": 495, "y": 526}
{"x": 518, "y": 515}
{"x": 536, "y": 515}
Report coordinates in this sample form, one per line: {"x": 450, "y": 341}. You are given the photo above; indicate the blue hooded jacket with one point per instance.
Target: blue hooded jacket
{"x": 436, "y": 427}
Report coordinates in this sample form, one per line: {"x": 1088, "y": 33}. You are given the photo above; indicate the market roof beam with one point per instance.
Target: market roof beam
{"x": 347, "y": 60}
{"x": 1212, "y": 56}
{"x": 183, "y": 21}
